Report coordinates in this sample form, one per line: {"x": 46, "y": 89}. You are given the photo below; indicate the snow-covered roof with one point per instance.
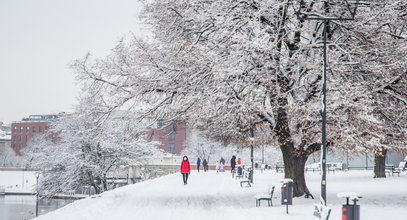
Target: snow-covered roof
{"x": 5, "y": 136}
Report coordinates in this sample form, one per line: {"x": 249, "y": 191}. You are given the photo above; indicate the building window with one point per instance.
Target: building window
{"x": 20, "y": 138}
{"x": 34, "y": 129}
{"x": 15, "y": 129}
{"x": 171, "y": 137}
{"x": 21, "y": 129}
{"x": 27, "y": 129}
{"x": 159, "y": 123}
{"x": 171, "y": 147}
{"x": 40, "y": 129}
{"x": 171, "y": 127}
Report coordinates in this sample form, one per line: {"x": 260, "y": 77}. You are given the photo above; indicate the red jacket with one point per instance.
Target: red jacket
{"x": 185, "y": 167}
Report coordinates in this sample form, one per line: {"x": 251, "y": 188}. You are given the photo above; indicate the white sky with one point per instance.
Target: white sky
{"x": 40, "y": 38}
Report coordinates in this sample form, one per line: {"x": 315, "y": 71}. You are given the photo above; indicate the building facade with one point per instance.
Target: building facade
{"x": 171, "y": 137}
{"x": 22, "y": 132}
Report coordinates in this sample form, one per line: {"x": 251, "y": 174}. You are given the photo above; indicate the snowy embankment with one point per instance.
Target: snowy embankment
{"x": 217, "y": 196}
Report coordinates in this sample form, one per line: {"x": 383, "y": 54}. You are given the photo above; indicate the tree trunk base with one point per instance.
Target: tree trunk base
{"x": 380, "y": 163}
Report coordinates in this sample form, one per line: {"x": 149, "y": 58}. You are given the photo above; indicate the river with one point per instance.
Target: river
{"x": 22, "y": 207}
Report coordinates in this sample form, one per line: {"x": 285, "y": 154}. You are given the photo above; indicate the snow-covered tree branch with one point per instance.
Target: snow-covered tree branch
{"x": 237, "y": 66}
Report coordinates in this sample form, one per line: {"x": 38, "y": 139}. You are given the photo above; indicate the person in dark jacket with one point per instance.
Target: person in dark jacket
{"x": 222, "y": 160}
{"x": 205, "y": 165}
{"x": 233, "y": 163}
{"x": 185, "y": 169}
{"x": 198, "y": 163}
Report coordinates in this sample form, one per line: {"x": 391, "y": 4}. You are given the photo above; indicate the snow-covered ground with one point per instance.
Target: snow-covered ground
{"x": 214, "y": 195}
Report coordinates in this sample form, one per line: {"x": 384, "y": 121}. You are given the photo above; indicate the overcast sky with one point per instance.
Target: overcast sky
{"x": 40, "y": 38}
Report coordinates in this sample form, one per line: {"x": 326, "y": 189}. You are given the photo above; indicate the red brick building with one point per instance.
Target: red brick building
{"x": 23, "y": 131}
{"x": 172, "y": 136}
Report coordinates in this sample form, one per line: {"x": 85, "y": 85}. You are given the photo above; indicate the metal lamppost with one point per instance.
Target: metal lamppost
{"x": 262, "y": 154}
{"x": 302, "y": 16}
{"x": 251, "y": 139}
{"x": 37, "y": 174}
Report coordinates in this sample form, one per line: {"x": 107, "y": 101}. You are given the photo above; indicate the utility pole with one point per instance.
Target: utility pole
{"x": 302, "y": 16}
{"x": 251, "y": 139}
{"x": 37, "y": 175}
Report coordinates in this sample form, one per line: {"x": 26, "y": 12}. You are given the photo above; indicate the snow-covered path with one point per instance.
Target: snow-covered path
{"x": 217, "y": 196}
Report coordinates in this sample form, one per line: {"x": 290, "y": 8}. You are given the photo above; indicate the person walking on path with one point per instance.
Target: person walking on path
{"x": 221, "y": 167}
{"x": 198, "y": 163}
{"x": 205, "y": 165}
{"x": 185, "y": 169}
{"x": 222, "y": 160}
{"x": 217, "y": 166}
{"x": 233, "y": 163}
{"x": 239, "y": 167}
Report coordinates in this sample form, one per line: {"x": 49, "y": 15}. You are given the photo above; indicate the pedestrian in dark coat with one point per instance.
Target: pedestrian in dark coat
{"x": 198, "y": 163}
{"x": 185, "y": 169}
{"x": 222, "y": 160}
{"x": 233, "y": 163}
{"x": 205, "y": 165}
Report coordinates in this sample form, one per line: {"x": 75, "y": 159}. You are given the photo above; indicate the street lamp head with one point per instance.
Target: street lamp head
{"x": 330, "y": 10}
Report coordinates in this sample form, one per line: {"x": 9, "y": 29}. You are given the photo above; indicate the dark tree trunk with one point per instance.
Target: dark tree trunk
{"x": 294, "y": 159}
{"x": 104, "y": 183}
{"x": 97, "y": 188}
{"x": 294, "y": 169}
{"x": 298, "y": 176}
{"x": 380, "y": 163}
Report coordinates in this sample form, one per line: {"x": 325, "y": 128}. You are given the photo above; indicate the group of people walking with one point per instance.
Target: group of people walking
{"x": 220, "y": 166}
{"x": 204, "y": 164}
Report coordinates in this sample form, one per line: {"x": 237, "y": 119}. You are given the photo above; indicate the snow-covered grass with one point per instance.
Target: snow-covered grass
{"x": 217, "y": 196}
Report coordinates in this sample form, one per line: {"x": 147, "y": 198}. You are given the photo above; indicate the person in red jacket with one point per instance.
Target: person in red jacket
{"x": 185, "y": 169}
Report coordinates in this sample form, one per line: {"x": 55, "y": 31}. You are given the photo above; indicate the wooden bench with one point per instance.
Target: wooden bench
{"x": 247, "y": 183}
{"x": 322, "y": 212}
{"x": 396, "y": 170}
{"x": 265, "y": 196}
{"x": 401, "y": 168}
{"x": 241, "y": 175}
{"x": 389, "y": 168}
{"x": 280, "y": 167}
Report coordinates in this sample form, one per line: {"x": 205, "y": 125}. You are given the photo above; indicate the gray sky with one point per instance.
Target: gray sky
{"x": 40, "y": 38}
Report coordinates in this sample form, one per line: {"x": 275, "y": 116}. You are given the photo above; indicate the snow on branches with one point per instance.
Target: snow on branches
{"x": 236, "y": 67}
{"x": 87, "y": 150}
